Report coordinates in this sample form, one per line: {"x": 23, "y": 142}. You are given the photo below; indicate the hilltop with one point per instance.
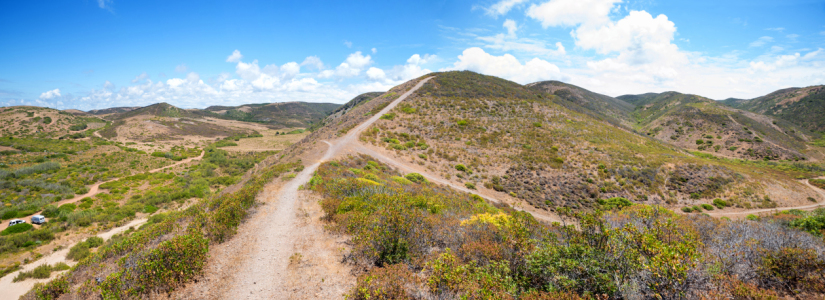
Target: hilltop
{"x": 603, "y": 107}
{"x": 804, "y": 107}
{"x": 701, "y": 124}
{"x": 277, "y": 115}
{"x": 46, "y": 122}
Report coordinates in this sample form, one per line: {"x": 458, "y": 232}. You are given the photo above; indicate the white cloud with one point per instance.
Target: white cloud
{"x": 502, "y": 7}
{"x": 374, "y": 50}
{"x": 313, "y": 63}
{"x": 181, "y": 68}
{"x": 779, "y": 29}
{"x": 351, "y": 67}
{"x": 140, "y": 77}
{"x": 376, "y": 74}
{"x": 572, "y": 12}
{"x": 511, "y": 27}
{"x": 506, "y": 66}
{"x": 760, "y": 41}
{"x": 236, "y": 56}
{"x": 50, "y": 94}
{"x": 416, "y": 59}
{"x": 348, "y": 44}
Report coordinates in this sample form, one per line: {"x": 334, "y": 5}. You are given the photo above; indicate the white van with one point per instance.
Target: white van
{"x": 38, "y": 219}
{"x": 15, "y": 222}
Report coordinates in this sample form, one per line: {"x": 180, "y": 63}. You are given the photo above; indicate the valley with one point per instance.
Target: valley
{"x": 453, "y": 184}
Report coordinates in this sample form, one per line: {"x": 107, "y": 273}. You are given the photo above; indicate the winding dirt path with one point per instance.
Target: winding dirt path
{"x": 95, "y": 189}
{"x": 742, "y": 214}
{"x": 264, "y": 268}
{"x": 13, "y": 290}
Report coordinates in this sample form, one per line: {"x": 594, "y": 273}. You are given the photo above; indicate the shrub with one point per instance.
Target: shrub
{"x": 614, "y": 203}
{"x": 22, "y": 227}
{"x": 697, "y": 208}
{"x": 719, "y": 203}
{"x": 687, "y": 209}
{"x": 79, "y": 251}
{"x": 462, "y": 122}
{"x": 699, "y": 142}
{"x": 41, "y": 272}
{"x": 461, "y": 168}
{"x": 470, "y": 185}
{"x": 389, "y": 116}
{"x": 415, "y": 177}
{"x": 707, "y": 206}
{"x": 752, "y": 217}
{"x": 94, "y": 241}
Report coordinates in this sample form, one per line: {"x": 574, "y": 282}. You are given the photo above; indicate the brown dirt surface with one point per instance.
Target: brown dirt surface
{"x": 13, "y": 290}
{"x": 272, "y": 140}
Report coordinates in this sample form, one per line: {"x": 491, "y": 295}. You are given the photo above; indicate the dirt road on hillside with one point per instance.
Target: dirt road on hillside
{"x": 95, "y": 189}
{"x": 263, "y": 266}
{"x": 13, "y": 290}
{"x": 742, "y": 214}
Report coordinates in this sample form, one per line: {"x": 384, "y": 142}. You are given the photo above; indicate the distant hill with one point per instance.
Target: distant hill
{"x": 158, "y": 110}
{"x": 112, "y": 110}
{"x": 279, "y": 115}
{"x": 804, "y": 107}
{"x": 604, "y": 107}
{"x": 698, "y": 123}
{"x": 46, "y": 122}
{"x": 164, "y": 122}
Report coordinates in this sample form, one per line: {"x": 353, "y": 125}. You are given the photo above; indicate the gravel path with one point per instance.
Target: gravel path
{"x": 264, "y": 267}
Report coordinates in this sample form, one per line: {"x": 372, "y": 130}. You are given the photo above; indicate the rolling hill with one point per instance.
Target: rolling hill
{"x": 280, "y": 115}
{"x": 518, "y": 143}
{"x": 701, "y": 124}
{"x": 804, "y": 107}
{"x": 609, "y": 109}
{"x": 45, "y": 122}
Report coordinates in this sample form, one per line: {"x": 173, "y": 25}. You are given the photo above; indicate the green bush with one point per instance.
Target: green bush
{"x": 687, "y": 209}
{"x": 461, "y": 168}
{"x": 707, "y": 206}
{"x": 470, "y": 185}
{"x": 614, "y": 203}
{"x": 79, "y": 251}
{"x": 41, "y": 272}
{"x": 697, "y": 208}
{"x": 22, "y": 227}
{"x": 415, "y": 177}
{"x": 94, "y": 241}
{"x": 719, "y": 203}
{"x": 388, "y": 116}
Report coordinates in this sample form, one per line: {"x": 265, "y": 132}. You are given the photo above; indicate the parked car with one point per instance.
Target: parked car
{"x": 15, "y": 222}
{"x": 38, "y": 219}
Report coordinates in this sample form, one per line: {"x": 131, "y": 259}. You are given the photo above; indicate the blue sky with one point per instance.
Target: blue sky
{"x": 105, "y": 53}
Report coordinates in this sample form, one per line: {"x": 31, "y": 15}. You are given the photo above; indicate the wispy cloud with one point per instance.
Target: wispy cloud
{"x": 106, "y": 4}
{"x": 760, "y": 42}
{"x": 501, "y": 8}
{"x": 778, "y": 29}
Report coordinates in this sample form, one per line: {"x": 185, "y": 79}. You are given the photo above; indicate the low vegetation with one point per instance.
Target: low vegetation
{"x": 422, "y": 240}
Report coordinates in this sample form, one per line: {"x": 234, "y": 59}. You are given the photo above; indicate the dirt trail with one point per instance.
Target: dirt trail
{"x": 412, "y": 168}
{"x": 742, "y": 214}
{"x": 95, "y": 189}
{"x": 13, "y": 290}
{"x": 263, "y": 271}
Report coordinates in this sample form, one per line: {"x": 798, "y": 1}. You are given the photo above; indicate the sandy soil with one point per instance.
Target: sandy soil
{"x": 269, "y": 142}
{"x": 13, "y": 290}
